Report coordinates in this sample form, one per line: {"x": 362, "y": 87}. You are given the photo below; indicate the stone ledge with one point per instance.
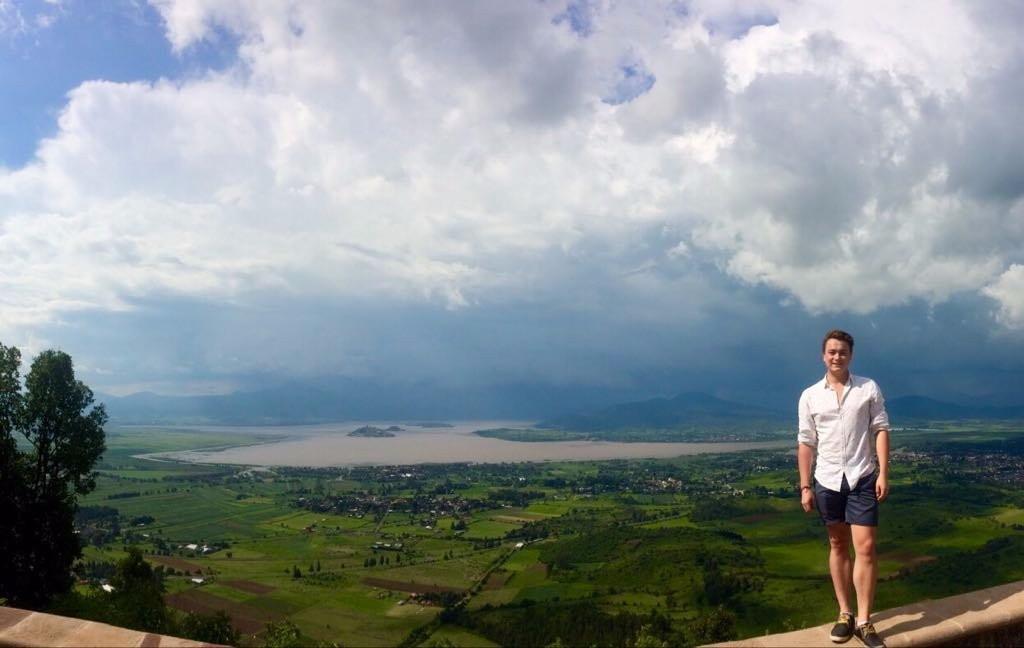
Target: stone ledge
{"x": 948, "y": 621}
{"x": 30, "y": 629}
{"x": 954, "y": 620}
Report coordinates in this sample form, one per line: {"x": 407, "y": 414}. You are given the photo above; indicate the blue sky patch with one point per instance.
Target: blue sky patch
{"x": 635, "y": 81}
{"x": 737, "y": 26}
{"x": 580, "y": 16}
{"x": 46, "y": 51}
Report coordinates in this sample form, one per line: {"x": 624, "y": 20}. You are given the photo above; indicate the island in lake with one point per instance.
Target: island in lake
{"x": 373, "y": 431}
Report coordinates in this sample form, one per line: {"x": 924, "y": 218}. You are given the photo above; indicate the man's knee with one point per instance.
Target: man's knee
{"x": 839, "y": 537}
{"x": 864, "y": 542}
{"x": 840, "y": 545}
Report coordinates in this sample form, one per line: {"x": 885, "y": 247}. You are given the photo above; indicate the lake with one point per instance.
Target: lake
{"x": 330, "y": 445}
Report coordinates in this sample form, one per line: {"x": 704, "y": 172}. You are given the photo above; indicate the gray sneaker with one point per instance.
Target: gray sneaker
{"x": 843, "y": 629}
{"x": 866, "y": 633}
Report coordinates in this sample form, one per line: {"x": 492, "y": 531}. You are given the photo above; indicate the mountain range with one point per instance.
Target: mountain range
{"x": 353, "y": 401}
{"x": 687, "y": 409}
{"x": 918, "y": 408}
{"x": 341, "y": 399}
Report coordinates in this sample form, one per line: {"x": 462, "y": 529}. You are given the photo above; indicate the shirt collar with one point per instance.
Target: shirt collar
{"x": 849, "y": 381}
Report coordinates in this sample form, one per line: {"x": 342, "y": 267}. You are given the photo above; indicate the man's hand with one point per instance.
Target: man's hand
{"x": 882, "y": 488}
{"x": 807, "y": 499}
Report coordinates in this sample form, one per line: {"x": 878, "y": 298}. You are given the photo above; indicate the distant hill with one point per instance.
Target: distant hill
{"x": 684, "y": 410}
{"x": 928, "y": 409}
{"x": 288, "y": 404}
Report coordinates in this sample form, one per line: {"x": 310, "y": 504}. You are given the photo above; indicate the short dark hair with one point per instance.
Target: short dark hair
{"x": 837, "y": 334}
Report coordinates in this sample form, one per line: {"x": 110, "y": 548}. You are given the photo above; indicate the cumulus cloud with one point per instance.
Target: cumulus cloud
{"x": 1008, "y": 290}
{"x": 850, "y": 157}
{"x": 850, "y": 183}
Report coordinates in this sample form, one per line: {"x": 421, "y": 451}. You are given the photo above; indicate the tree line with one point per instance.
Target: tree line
{"x": 61, "y": 436}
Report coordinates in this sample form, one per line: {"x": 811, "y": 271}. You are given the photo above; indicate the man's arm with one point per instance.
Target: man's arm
{"x": 882, "y": 451}
{"x": 804, "y": 459}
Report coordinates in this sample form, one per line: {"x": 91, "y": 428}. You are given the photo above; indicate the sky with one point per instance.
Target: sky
{"x": 621, "y": 198}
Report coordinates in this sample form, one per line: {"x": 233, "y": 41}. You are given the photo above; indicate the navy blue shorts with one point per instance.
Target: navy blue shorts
{"x": 857, "y": 505}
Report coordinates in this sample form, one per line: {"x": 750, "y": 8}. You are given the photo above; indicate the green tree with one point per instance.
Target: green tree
{"x": 283, "y": 634}
{"x": 10, "y": 484}
{"x": 10, "y": 361}
{"x": 711, "y": 627}
{"x": 645, "y": 638}
{"x": 64, "y": 431}
{"x": 137, "y": 602}
{"x": 138, "y": 597}
{"x": 213, "y": 628}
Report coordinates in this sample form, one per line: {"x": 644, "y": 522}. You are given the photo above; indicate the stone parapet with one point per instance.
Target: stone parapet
{"x": 27, "y": 628}
{"x": 989, "y": 617}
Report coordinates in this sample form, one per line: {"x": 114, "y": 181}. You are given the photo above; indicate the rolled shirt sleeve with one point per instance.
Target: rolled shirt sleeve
{"x": 807, "y": 432}
{"x": 876, "y": 408}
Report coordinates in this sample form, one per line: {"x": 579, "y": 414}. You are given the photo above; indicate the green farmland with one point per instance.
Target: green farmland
{"x": 686, "y": 551}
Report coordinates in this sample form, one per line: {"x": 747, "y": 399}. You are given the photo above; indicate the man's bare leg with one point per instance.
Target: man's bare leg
{"x": 839, "y": 564}
{"x": 865, "y": 569}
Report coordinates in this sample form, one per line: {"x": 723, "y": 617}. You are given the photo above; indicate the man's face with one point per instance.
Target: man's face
{"x": 837, "y": 357}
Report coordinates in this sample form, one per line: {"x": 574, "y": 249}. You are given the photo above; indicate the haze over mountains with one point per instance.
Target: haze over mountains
{"x": 687, "y": 409}
{"x": 335, "y": 400}
{"x": 565, "y": 408}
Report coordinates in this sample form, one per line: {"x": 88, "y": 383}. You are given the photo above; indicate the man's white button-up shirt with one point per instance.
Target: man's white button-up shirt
{"x": 842, "y": 431}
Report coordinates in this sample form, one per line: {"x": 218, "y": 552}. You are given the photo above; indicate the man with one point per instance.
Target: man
{"x": 844, "y": 433}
